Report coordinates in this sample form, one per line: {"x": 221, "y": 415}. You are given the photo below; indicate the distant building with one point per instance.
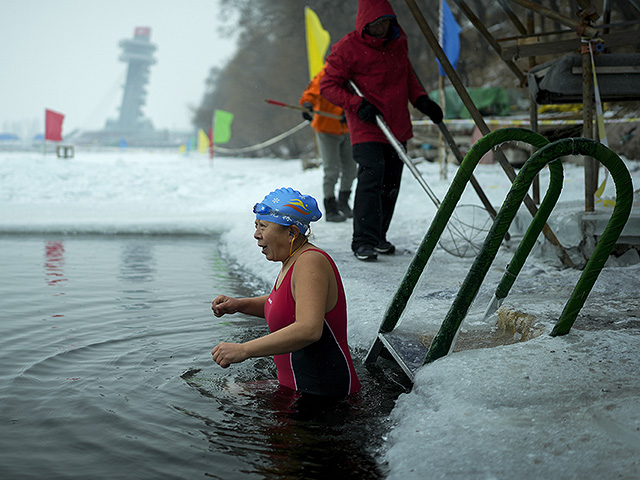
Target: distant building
{"x": 132, "y": 128}
{"x": 138, "y": 53}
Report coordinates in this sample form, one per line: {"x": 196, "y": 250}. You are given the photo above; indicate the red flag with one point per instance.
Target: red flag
{"x": 53, "y": 125}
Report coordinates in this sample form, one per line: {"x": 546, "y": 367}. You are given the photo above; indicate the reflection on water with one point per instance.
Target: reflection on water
{"x": 137, "y": 264}
{"x": 137, "y": 268}
{"x": 54, "y": 263}
{"x": 112, "y": 377}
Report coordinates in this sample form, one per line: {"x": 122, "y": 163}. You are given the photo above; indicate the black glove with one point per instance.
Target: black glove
{"x": 430, "y": 108}
{"x": 307, "y": 115}
{"x": 367, "y": 111}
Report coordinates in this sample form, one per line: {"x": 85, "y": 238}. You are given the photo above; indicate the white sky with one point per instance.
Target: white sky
{"x": 64, "y": 55}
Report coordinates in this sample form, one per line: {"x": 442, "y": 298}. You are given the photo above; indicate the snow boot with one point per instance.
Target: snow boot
{"x": 343, "y": 204}
{"x": 331, "y": 209}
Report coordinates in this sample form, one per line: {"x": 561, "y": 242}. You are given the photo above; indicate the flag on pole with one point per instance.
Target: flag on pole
{"x": 53, "y": 125}
{"x": 210, "y": 134}
{"x": 222, "y": 126}
{"x": 317, "y": 41}
{"x": 203, "y": 141}
{"x": 449, "y": 36}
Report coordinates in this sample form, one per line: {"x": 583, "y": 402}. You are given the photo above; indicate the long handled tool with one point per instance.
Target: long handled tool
{"x": 458, "y": 231}
{"x": 401, "y": 152}
{"x": 302, "y": 109}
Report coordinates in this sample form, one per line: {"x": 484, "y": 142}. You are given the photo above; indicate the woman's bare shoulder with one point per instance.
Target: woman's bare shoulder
{"x": 312, "y": 259}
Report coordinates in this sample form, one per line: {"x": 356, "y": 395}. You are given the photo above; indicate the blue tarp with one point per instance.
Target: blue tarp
{"x": 8, "y": 137}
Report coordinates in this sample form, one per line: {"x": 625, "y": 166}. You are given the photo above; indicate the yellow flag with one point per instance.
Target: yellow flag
{"x": 203, "y": 141}
{"x": 317, "y": 41}
{"x": 222, "y": 126}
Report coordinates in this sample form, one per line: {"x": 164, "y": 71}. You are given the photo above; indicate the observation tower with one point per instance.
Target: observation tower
{"x": 138, "y": 53}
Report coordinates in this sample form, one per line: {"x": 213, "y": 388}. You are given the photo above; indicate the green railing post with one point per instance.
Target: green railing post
{"x": 442, "y": 216}
{"x": 619, "y": 217}
{"x": 444, "y": 338}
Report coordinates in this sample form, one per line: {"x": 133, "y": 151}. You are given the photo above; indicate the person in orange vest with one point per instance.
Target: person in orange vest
{"x": 334, "y": 144}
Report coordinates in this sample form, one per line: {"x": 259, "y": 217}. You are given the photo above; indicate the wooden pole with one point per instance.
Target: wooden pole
{"x": 533, "y": 111}
{"x": 590, "y": 168}
{"x": 585, "y": 30}
{"x": 442, "y": 152}
{"x": 492, "y": 41}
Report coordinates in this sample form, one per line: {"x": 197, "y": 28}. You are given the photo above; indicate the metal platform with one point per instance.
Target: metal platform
{"x": 404, "y": 348}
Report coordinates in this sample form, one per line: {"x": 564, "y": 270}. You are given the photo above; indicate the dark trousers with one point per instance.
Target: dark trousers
{"x": 379, "y": 175}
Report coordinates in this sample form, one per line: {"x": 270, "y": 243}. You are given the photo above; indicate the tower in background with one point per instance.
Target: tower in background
{"x": 138, "y": 53}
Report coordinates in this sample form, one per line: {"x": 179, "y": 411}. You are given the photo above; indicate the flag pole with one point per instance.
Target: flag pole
{"x": 44, "y": 137}
{"x": 441, "y": 149}
{"x": 442, "y": 153}
{"x": 211, "y": 131}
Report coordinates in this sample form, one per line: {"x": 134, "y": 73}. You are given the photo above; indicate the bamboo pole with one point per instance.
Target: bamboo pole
{"x": 512, "y": 16}
{"x": 533, "y": 110}
{"x": 492, "y": 41}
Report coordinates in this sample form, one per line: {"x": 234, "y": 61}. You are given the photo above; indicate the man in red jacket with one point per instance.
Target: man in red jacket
{"x": 375, "y": 57}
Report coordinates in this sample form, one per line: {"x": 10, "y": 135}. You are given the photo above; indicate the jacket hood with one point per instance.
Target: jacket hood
{"x": 371, "y": 10}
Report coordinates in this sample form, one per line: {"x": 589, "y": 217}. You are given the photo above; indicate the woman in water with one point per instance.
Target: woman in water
{"x": 306, "y": 311}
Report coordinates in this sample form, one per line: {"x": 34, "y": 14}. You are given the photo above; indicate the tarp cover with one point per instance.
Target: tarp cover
{"x": 490, "y": 101}
{"x": 556, "y": 82}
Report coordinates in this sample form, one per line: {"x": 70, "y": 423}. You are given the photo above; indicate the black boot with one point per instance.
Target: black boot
{"x": 332, "y": 212}
{"x": 343, "y": 204}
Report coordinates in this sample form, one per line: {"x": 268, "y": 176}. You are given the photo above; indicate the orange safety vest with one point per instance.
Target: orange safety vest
{"x": 321, "y": 123}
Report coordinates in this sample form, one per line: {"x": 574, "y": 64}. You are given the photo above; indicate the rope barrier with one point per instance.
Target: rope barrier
{"x": 523, "y": 122}
{"x": 264, "y": 144}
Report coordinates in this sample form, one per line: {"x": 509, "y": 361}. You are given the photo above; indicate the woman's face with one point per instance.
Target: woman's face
{"x": 274, "y": 240}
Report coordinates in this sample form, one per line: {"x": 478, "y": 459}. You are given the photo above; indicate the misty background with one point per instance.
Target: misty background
{"x": 212, "y": 54}
{"x": 64, "y": 55}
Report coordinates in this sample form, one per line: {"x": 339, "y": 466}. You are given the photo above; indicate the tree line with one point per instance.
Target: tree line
{"x": 270, "y": 61}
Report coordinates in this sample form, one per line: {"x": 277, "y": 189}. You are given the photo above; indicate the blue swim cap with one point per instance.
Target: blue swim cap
{"x": 286, "y": 206}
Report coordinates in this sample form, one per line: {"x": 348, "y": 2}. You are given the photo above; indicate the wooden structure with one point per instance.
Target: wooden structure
{"x": 410, "y": 353}
{"x": 531, "y": 44}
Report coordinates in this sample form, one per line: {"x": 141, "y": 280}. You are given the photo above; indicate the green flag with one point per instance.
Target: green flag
{"x": 222, "y": 126}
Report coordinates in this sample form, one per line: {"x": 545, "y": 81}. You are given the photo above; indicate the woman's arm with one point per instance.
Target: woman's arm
{"x": 223, "y": 305}
{"x": 311, "y": 286}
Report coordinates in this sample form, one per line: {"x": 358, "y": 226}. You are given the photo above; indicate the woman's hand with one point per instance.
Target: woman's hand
{"x": 222, "y": 305}
{"x": 224, "y": 354}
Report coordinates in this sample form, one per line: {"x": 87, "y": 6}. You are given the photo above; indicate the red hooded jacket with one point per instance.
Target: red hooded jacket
{"x": 381, "y": 69}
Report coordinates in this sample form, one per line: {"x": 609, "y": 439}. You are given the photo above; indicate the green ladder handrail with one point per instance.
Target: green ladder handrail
{"x": 427, "y": 246}
{"x": 548, "y": 154}
{"x": 624, "y": 198}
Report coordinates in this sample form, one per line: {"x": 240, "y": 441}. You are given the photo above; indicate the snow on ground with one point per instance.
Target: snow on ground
{"x": 564, "y": 407}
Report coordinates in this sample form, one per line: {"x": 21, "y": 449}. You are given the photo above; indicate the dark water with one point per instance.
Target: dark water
{"x": 105, "y": 372}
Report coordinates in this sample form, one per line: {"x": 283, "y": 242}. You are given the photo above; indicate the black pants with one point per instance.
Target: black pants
{"x": 379, "y": 175}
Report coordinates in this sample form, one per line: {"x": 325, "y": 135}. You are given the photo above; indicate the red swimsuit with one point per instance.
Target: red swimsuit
{"x": 323, "y": 367}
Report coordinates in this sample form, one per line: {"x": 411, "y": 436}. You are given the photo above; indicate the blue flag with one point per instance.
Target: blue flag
{"x": 449, "y": 36}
